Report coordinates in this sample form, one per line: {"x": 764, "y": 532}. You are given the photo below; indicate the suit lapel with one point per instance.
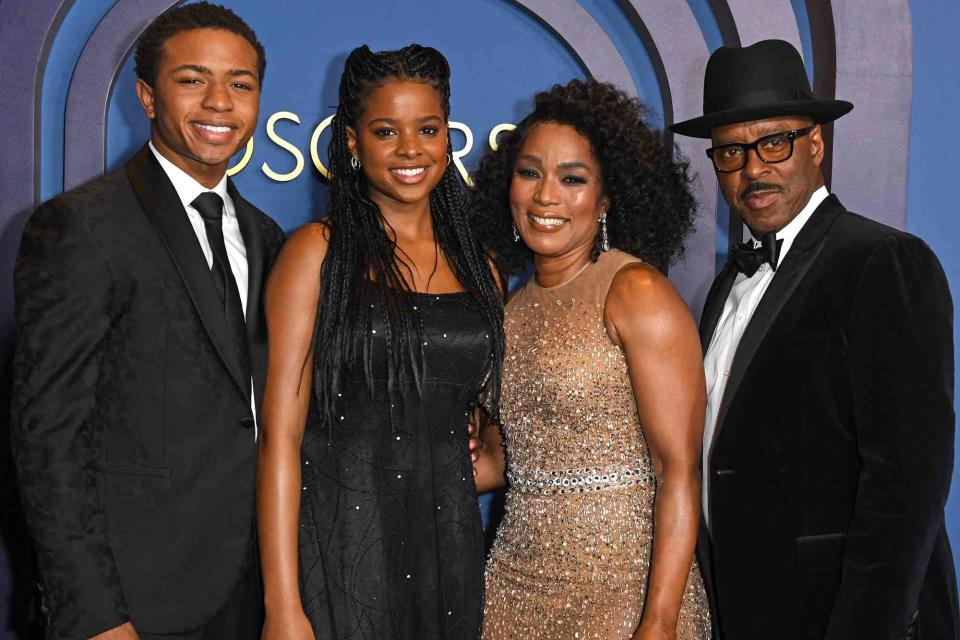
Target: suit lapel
{"x": 163, "y": 208}
{"x": 253, "y": 240}
{"x": 713, "y": 307}
{"x": 794, "y": 267}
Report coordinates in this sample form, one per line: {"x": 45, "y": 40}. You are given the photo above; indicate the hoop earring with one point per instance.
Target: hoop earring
{"x": 355, "y": 163}
{"x": 516, "y": 234}
{"x": 604, "y": 239}
{"x": 449, "y": 159}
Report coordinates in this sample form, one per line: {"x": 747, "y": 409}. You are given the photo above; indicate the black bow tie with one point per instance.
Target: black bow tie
{"x": 748, "y": 258}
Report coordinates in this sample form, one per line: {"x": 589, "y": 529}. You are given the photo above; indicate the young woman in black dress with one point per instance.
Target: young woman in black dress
{"x": 385, "y": 324}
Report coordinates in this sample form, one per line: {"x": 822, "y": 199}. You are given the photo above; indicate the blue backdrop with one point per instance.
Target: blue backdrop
{"x": 501, "y": 52}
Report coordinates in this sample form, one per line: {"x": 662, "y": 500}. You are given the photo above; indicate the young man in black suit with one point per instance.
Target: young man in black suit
{"x": 828, "y": 445}
{"x": 141, "y": 358}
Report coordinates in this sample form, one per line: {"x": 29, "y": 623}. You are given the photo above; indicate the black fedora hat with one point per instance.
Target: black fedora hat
{"x": 764, "y": 80}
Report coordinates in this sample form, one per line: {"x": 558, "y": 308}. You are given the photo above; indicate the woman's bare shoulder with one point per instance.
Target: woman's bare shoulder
{"x": 643, "y": 302}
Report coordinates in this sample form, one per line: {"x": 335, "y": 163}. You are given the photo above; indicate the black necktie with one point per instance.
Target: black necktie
{"x": 210, "y": 206}
{"x": 748, "y": 258}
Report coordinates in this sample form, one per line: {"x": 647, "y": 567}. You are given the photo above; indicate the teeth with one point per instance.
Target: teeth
{"x": 210, "y": 127}
{"x": 409, "y": 172}
{"x": 548, "y": 222}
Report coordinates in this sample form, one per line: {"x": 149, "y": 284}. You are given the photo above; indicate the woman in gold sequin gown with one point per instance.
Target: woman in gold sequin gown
{"x": 603, "y": 392}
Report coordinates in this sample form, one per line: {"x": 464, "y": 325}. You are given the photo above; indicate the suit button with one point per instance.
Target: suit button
{"x": 247, "y": 423}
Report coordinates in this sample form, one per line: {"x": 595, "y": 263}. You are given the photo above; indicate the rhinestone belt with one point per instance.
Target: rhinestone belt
{"x": 583, "y": 480}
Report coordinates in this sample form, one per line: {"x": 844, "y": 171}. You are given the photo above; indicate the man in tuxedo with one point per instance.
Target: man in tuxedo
{"x": 141, "y": 358}
{"x": 828, "y": 443}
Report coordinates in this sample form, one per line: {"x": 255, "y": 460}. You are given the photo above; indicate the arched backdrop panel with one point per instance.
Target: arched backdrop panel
{"x": 64, "y": 127}
{"x": 672, "y": 42}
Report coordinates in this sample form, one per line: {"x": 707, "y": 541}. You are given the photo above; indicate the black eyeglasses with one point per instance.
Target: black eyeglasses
{"x": 771, "y": 149}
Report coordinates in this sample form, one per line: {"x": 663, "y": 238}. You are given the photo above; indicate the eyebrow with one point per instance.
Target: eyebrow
{"x": 769, "y": 131}
{"x": 394, "y": 120}
{"x": 562, "y": 165}
{"x": 763, "y": 133}
{"x": 199, "y": 68}
{"x": 575, "y": 165}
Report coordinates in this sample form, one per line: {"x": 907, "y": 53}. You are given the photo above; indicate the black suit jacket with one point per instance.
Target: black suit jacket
{"x": 131, "y": 421}
{"x": 833, "y": 449}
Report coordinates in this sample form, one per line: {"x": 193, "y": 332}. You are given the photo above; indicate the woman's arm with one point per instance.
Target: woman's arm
{"x": 488, "y": 462}
{"x": 648, "y": 319}
{"x": 486, "y": 445}
{"x": 293, "y": 290}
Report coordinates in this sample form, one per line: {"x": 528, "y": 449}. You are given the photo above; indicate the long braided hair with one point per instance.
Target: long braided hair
{"x": 360, "y": 267}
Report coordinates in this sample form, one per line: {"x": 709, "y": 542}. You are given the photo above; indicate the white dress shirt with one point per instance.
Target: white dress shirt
{"x": 737, "y": 311}
{"x": 188, "y": 189}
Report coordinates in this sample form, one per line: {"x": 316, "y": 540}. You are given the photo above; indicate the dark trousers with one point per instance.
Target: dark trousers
{"x": 241, "y": 618}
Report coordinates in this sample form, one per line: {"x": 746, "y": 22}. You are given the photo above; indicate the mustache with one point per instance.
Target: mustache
{"x": 754, "y": 187}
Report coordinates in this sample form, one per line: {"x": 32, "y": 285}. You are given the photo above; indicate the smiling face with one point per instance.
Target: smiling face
{"x": 401, "y": 142}
{"x": 769, "y": 196}
{"x": 205, "y": 100}
{"x": 556, "y": 194}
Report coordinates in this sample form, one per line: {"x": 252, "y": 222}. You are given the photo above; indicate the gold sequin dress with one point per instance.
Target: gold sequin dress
{"x": 572, "y": 553}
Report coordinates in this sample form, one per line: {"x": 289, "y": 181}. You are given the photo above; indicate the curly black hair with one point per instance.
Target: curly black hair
{"x": 651, "y": 207}
{"x": 201, "y": 15}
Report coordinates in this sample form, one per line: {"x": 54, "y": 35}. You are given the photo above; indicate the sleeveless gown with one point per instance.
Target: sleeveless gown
{"x": 572, "y": 555}
{"x": 390, "y": 541}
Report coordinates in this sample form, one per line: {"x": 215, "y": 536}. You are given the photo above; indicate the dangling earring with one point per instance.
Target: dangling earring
{"x": 604, "y": 240}
{"x": 355, "y": 163}
{"x": 516, "y": 234}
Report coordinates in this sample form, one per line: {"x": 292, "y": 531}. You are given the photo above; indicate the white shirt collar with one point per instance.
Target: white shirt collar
{"x": 187, "y": 188}
{"x": 789, "y": 233}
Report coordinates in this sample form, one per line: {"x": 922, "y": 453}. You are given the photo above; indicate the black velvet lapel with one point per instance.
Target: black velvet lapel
{"x": 791, "y": 271}
{"x": 162, "y": 205}
{"x": 256, "y": 268}
{"x": 713, "y": 307}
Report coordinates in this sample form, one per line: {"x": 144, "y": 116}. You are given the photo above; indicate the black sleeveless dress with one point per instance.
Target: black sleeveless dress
{"x": 391, "y": 544}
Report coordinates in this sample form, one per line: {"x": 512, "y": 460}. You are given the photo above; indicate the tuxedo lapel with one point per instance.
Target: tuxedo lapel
{"x": 163, "y": 208}
{"x": 789, "y": 274}
{"x": 254, "y": 241}
{"x": 713, "y": 307}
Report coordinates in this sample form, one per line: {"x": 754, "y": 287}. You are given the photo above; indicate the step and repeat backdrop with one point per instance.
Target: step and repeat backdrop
{"x": 70, "y": 111}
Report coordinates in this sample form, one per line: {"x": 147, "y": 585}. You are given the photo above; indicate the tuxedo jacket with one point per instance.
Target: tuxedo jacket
{"x": 132, "y": 424}
{"x": 833, "y": 448}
